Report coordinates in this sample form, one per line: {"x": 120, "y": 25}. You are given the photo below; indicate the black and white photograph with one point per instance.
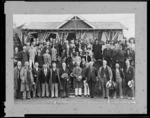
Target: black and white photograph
{"x": 74, "y": 58}
{"x": 64, "y": 60}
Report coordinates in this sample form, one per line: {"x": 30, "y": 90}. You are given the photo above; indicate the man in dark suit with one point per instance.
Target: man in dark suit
{"x": 44, "y": 79}
{"x": 55, "y": 82}
{"x": 71, "y": 66}
{"x": 24, "y": 55}
{"x": 17, "y": 80}
{"x": 129, "y": 80}
{"x": 91, "y": 74}
{"x": 39, "y": 58}
{"x": 36, "y": 80}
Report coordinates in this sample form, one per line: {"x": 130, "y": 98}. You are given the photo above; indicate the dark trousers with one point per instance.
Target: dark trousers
{"x": 130, "y": 91}
{"x": 72, "y": 82}
{"x": 65, "y": 88}
{"x": 19, "y": 95}
{"x": 91, "y": 87}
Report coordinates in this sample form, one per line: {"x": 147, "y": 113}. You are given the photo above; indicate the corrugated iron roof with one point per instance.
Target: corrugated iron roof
{"x": 54, "y": 25}
{"x": 41, "y": 25}
{"x": 108, "y": 25}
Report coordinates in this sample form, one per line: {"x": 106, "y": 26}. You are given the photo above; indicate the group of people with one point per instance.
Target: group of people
{"x": 52, "y": 68}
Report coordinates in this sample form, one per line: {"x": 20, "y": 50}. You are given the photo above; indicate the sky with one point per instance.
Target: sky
{"x": 128, "y": 20}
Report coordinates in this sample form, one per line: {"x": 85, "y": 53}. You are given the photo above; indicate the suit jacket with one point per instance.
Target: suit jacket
{"x": 107, "y": 54}
{"x": 16, "y": 78}
{"x": 44, "y": 78}
{"x": 62, "y": 71}
{"x": 109, "y": 70}
{"x": 26, "y": 79}
{"x": 121, "y": 74}
{"x": 26, "y": 75}
{"x": 24, "y": 57}
{"x": 71, "y": 66}
{"x": 129, "y": 74}
{"x": 82, "y": 65}
{"x": 77, "y": 72}
{"x": 17, "y": 56}
{"x": 58, "y": 73}
{"x": 92, "y": 75}
{"x": 36, "y": 75}
{"x": 97, "y": 49}
{"x": 39, "y": 59}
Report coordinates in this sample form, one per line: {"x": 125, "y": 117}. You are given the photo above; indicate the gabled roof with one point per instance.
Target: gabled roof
{"x": 41, "y": 25}
{"x": 73, "y": 23}
{"x": 75, "y": 20}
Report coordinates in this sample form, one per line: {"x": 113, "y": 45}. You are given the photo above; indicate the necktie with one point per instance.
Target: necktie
{"x": 18, "y": 73}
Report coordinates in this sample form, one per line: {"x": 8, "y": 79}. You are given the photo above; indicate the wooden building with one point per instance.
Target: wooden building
{"x": 75, "y": 27}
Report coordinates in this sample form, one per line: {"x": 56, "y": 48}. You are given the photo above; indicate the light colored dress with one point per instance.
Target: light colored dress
{"x": 54, "y": 53}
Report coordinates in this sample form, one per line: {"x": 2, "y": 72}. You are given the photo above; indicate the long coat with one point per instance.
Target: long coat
{"x": 63, "y": 81}
{"x": 16, "y": 87}
{"x": 24, "y": 57}
{"x": 26, "y": 79}
{"x": 97, "y": 49}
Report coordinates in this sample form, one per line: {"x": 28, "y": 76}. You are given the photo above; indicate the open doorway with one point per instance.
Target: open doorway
{"x": 71, "y": 36}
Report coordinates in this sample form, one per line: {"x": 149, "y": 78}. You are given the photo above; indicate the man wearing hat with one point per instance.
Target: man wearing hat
{"x": 129, "y": 80}
{"x": 104, "y": 75}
